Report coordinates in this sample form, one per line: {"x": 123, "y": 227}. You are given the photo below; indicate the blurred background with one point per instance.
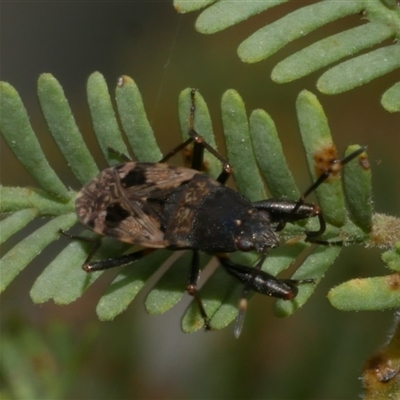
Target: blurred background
{"x": 54, "y": 352}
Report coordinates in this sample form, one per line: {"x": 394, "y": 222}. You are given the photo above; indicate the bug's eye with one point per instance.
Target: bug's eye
{"x": 244, "y": 245}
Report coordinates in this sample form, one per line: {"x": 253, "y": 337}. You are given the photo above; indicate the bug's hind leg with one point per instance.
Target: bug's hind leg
{"x": 95, "y": 241}
{"x": 107, "y": 263}
{"x": 113, "y": 262}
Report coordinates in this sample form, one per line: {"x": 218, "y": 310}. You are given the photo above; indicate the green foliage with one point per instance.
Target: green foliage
{"x": 251, "y": 145}
{"x": 31, "y": 363}
{"x": 381, "y": 379}
{"x": 381, "y": 23}
{"x": 14, "y": 118}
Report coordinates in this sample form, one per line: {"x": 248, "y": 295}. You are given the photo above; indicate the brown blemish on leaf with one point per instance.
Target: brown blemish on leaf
{"x": 364, "y": 162}
{"x": 378, "y": 369}
{"x": 324, "y": 158}
{"x": 122, "y": 80}
{"x": 393, "y": 281}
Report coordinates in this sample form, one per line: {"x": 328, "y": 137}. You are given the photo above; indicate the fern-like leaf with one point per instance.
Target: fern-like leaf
{"x": 254, "y": 150}
{"x": 382, "y": 23}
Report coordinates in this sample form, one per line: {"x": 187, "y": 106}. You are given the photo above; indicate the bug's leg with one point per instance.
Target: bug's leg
{"x": 193, "y": 137}
{"x": 336, "y": 166}
{"x": 177, "y": 149}
{"x": 96, "y": 244}
{"x": 284, "y": 211}
{"x": 192, "y": 288}
{"x": 243, "y": 302}
{"x": 115, "y": 261}
{"x": 109, "y": 262}
{"x": 249, "y": 283}
{"x": 199, "y": 145}
{"x": 258, "y": 281}
{"x": 198, "y": 155}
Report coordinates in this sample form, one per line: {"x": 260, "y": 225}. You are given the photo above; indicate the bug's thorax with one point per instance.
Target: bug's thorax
{"x": 220, "y": 220}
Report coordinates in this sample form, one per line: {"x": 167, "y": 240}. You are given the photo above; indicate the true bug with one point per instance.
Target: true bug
{"x": 157, "y": 205}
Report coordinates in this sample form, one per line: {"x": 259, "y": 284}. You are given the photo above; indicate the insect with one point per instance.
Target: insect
{"x": 157, "y": 205}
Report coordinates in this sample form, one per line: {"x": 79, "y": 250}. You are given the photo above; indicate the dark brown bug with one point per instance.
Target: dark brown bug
{"x": 157, "y": 205}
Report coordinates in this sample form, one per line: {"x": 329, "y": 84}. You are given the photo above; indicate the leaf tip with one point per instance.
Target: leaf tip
{"x": 124, "y": 80}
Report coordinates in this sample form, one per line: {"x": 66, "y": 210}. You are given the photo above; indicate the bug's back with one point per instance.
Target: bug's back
{"x": 118, "y": 202}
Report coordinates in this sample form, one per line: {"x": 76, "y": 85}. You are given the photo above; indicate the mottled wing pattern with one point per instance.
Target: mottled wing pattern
{"x": 114, "y": 203}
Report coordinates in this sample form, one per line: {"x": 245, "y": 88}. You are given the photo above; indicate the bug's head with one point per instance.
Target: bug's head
{"x": 254, "y": 232}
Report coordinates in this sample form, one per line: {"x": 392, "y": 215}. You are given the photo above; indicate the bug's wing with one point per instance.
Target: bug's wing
{"x": 115, "y": 202}
{"x": 145, "y": 186}
{"x": 132, "y": 222}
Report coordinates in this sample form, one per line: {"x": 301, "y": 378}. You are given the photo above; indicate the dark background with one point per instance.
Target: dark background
{"x": 316, "y": 354}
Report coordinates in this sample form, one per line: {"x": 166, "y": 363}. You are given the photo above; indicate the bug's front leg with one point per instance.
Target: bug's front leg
{"x": 261, "y": 282}
{"x": 284, "y": 211}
